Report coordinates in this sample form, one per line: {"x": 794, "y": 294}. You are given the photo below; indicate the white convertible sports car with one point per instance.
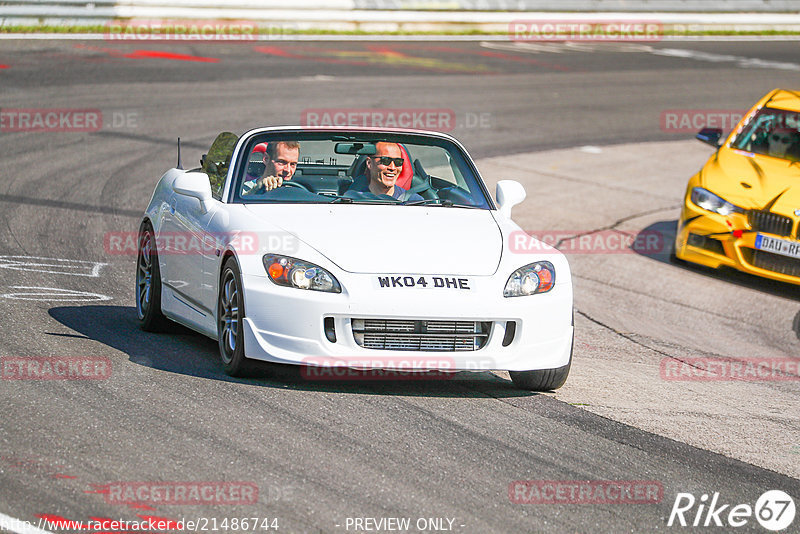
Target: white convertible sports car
{"x": 382, "y": 249}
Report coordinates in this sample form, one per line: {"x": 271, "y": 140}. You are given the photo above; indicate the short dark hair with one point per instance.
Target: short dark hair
{"x": 272, "y": 147}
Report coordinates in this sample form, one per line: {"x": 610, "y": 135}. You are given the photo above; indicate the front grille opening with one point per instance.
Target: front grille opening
{"x": 768, "y": 222}
{"x": 330, "y": 329}
{"x": 421, "y": 335}
{"x": 771, "y": 262}
{"x": 511, "y": 330}
{"x": 706, "y": 243}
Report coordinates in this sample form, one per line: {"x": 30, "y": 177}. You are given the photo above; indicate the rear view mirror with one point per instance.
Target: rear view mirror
{"x": 360, "y": 149}
{"x": 710, "y": 136}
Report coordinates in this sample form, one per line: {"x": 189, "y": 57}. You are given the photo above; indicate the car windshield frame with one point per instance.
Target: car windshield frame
{"x": 458, "y": 156}
{"x": 743, "y": 141}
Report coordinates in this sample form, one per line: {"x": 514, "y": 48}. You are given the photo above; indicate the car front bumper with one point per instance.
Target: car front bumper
{"x": 710, "y": 239}
{"x": 287, "y": 325}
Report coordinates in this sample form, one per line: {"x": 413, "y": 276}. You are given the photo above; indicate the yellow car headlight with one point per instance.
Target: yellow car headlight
{"x": 707, "y": 200}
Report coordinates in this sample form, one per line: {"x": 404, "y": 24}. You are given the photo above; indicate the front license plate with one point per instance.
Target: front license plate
{"x": 423, "y": 282}
{"x": 784, "y": 247}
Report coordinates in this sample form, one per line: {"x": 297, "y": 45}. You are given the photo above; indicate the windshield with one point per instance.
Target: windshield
{"x": 357, "y": 168}
{"x": 771, "y": 132}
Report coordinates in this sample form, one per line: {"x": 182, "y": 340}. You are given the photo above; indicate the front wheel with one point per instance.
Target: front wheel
{"x": 230, "y": 315}
{"x": 148, "y": 283}
{"x": 543, "y": 379}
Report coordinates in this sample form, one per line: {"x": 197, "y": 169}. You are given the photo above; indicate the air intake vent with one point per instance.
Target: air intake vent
{"x": 770, "y": 223}
{"x": 772, "y": 262}
{"x": 420, "y": 335}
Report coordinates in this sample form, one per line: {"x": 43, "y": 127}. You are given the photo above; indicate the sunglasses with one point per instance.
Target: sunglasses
{"x": 386, "y": 160}
{"x": 776, "y": 137}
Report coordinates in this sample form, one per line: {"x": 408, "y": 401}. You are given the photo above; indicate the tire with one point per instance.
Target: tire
{"x": 543, "y": 379}
{"x": 148, "y": 282}
{"x": 230, "y": 315}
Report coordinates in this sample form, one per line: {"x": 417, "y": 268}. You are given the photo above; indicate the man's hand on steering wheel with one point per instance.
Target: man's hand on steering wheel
{"x": 268, "y": 183}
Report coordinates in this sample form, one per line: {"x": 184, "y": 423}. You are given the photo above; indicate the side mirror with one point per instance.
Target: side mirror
{"x": 509, "y": 193}
{"x": 196, "y": 185}
{"x": 710, "y": 136}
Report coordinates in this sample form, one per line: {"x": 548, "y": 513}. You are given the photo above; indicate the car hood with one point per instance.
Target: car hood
{"x": 754, "y": 181}
{"x": 393, "y": 239}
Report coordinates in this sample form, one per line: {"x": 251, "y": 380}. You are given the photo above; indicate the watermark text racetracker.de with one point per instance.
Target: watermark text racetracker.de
{"x": 585, "y": 30}
{"x": 179, "y": 493}
{"x": 693, "y": 120}
{"x": 346, "y": 368}
{"x": 204, "y": 243}
{"x": 187, "y": 30}
{"x": 646, "y": 242}
{"x": 585, "y": 491}
{"x": 14, "y": 120}
{"x": 145, "y": 523}
{"x": 437, "y": 119}
{"x": 716, "y": 369}
{"x": 55, "y": 367}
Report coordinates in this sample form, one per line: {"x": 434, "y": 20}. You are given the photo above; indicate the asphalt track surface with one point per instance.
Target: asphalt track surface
{"x": 322, "y": 453}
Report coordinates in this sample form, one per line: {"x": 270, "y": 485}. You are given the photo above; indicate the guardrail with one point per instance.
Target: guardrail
{"x": 565, "y": 6}
{"x": 415, "y": 15}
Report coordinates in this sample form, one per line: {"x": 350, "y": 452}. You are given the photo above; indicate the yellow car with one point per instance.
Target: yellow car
{"x": 742, "y": 209}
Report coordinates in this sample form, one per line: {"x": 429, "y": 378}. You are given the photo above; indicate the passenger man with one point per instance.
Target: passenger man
{"x": 383, "y": 168}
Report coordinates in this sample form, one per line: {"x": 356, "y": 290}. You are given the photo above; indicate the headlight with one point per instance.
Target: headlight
{"x": 291, "y": 272}
{"x": 711, "y": 202}
{"x": 538, "y": 277}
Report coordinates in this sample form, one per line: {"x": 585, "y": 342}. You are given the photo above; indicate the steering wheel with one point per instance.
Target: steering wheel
{"x": 296, "y": 184}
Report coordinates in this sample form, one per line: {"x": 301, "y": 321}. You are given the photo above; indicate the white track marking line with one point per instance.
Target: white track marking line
{"x": 54, "y": 294}
{"x": 50, "y": 265}
{"x": 697, "y": 55}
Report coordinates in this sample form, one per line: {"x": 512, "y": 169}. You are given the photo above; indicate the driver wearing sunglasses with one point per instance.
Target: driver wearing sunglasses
{"x": 383, "y": 169}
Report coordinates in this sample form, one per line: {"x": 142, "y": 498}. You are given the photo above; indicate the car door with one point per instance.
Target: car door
{"x": 183, "y": 239}
{"x": 186, "y": 238}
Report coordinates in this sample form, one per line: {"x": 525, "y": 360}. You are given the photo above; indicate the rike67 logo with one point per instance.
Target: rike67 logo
{"x": 774, "y": 510}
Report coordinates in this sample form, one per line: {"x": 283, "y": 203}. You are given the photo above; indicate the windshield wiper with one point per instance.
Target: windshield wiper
{"x": 447, "y": 203}
{"x": 339, "y": 199}
{"x": 431, "y": 201}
